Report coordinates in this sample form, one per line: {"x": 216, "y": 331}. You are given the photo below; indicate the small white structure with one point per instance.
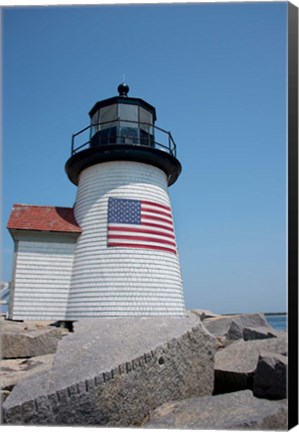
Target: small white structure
{"x": 44, "y": 244}
{"x": 115, "y": 254}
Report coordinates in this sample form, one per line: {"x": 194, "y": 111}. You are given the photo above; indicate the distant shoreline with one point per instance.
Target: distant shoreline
{"x": 265, "y": 313}
{"x": 275, "y": 313}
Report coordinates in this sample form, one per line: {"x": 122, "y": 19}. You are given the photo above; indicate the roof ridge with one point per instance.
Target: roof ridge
{"x": 41, "y": 205}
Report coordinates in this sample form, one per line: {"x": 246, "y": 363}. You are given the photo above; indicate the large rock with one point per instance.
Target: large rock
{"x": 236, "y": 364}
{"x": 254, "y": 333}
{"x": 270, "y": 377}
{"x": 31, "y": 344}
{"x": 16, "y": 370}
{"x": 28, "y": 339}
{"x": 204, "y": 314}
{"x": 240, "y": 410}
{"x": 113, "y": 371}
{"x": 244, "y": 326}
{"x": 235, "y": 331}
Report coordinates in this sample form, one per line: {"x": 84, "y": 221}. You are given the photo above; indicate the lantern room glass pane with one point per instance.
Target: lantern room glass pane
{"x": 108, "y": 114}
{"x": 128, "y": 112}
{"x": 146, "y": 128}
{"x": 128, "y": 129}
{"x": 94, "y": 123}
{"x": 145, "y": 117}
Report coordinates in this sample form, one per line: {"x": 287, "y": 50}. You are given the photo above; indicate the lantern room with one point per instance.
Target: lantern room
{"x": 123, "y": 128}
{"x": 122, "y": 120}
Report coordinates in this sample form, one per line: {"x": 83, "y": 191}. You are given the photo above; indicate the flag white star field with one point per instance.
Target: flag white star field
{"x": 140, "y": 224}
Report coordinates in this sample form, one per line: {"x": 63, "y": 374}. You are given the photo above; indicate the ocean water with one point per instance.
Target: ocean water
{"x": 278, "y": 322}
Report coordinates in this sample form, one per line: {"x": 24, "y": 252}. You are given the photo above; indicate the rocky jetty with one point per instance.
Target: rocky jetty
{"x": 250, "y": 380}
{"x": 150, "y": 372}
{"x": 113, "y": 371}
{"x": 235, "y": 365}
{"x": 240, "y": 327}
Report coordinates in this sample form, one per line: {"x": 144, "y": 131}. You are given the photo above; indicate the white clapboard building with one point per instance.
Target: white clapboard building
{"x": 114, "y": 254}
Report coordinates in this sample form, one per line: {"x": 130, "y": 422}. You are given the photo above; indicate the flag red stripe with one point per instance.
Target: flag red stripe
{"x": 161, "y": 248}
{"x": 149, "y": 210}
{"x": 156, "y": 205}
{"x": 157, "y": 218}
{"x": 156, "y": 225}
{"x": 147, "y": 239}
{"x": 141, "y": 230}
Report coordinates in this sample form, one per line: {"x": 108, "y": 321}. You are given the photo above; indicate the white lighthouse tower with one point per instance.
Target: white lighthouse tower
{"x": 126, "y": 260}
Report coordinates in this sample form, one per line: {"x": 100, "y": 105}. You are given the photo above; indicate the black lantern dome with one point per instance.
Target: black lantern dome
{"x": 123, "y": 128}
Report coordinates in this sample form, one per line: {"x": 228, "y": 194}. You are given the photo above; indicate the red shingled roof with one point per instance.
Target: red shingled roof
{"x": 43, "y": 218}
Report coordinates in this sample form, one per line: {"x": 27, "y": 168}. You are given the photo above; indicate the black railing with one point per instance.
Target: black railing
{"x": 123, "y": 132}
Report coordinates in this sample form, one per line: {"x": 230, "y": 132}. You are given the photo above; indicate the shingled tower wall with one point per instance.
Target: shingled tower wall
{"x": 121, "y": 281}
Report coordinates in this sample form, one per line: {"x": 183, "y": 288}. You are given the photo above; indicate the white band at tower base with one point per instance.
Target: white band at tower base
{"x": 120, "y": 281}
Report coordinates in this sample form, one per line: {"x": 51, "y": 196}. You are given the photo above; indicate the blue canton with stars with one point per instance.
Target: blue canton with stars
{"x": 124, "y": 211}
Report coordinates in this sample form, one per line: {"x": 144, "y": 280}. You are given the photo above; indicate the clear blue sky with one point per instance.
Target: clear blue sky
{"x": 217, "y": 75}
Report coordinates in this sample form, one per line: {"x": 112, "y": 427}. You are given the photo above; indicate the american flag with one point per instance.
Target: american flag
{"x": 140, "y": 224}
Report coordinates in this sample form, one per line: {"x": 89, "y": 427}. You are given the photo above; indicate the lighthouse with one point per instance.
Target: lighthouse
{"x": 126, "y": 259}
